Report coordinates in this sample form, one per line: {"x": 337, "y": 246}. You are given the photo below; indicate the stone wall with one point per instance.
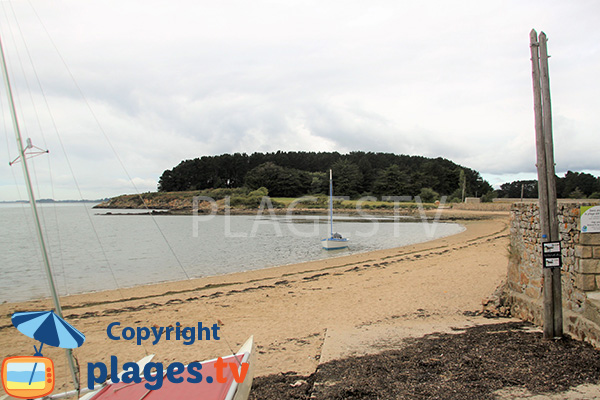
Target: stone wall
{"x": 580, "y": 271}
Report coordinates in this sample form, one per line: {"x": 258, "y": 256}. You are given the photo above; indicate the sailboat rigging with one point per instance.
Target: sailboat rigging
{"x": 36, "y": 217}
{"x": 335, "y": 240}
{"x": 230, "y": 390}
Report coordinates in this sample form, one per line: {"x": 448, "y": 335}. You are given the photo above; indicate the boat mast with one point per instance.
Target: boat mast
{"x": 330, "y": 204}
{"x": 36, "y": 217}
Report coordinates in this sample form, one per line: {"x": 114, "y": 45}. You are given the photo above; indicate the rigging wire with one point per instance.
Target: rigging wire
{"x": 109, "y": 142}
{"x": 11, "y": 36}
{"x": 22, "y": 206}
{"x": 70, "y": 167}
{"x": 43, "y": 136}
{"x": 106, "y": 137}
{"x": 121, "y": 163}
{"x": 8, "y": 157}
{"x": 40, "y": 233}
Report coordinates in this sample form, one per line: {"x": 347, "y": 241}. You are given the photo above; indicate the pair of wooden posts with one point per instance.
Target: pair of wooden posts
{"x": 553, "y": 319}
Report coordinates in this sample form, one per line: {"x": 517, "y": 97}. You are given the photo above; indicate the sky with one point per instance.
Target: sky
{"x": 120, "y": 91}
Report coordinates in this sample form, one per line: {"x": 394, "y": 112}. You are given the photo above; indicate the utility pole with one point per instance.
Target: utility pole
{"x": 522, "y": 191}
{"x": 546, "y": 182}
{"x": 463, "y": 183}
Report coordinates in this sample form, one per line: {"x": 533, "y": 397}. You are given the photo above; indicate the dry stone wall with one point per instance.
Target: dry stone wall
{"x": 580, "y": 275}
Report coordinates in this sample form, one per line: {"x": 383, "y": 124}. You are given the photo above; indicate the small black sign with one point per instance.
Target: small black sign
{"x": 552, "y": 255}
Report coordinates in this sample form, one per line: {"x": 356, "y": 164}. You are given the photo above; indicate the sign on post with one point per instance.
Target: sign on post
{"x": 551, "y": 255}
{"x": 590, "y": 219}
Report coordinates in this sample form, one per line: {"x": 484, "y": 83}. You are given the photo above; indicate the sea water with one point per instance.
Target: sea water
{"x": 92, "y": 251}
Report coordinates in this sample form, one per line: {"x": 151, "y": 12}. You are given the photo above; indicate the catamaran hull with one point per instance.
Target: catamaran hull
{"x": 334, "y": 244}
{"x": 243, "y": 389}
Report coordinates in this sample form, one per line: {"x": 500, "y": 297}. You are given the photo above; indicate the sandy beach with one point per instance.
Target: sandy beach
{"x": 299, "y": 314}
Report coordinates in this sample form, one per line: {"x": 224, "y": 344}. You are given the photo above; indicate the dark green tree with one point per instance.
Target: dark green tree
{"x": 347, "y": 178}
{"x": 358, "y": 173}
{"x": 391, "y": 181}
{"x": 586, "y": 183}
{"x": 577, "y": 194}
{"x": 279, "y": 181}
{"x": 428, "y": 195}
{"x": 513, "y": 189}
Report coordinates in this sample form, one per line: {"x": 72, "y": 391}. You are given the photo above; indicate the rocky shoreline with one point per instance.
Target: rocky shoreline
{"x": 182, "y": 203}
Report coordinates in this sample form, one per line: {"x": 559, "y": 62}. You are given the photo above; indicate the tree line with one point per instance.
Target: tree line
{"x": 356, "y": 174}
{"x": 574, "y": 185}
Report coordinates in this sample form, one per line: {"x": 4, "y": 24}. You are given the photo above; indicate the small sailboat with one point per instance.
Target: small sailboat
{"x": 227, "y": 388}
{"x": 335, "y": 240}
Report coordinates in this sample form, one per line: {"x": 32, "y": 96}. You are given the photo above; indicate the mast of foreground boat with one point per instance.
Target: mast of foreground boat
{"x": 330, "y": 204}
{"x": 36, "y": 217}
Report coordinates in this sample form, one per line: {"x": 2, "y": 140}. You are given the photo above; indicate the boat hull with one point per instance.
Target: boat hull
{"x": 334, "y": 243}
{"x": 243, "y": 389}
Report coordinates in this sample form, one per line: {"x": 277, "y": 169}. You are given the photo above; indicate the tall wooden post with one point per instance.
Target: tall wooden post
{"x": 551, "y": 178}
{"x": 546, "y": 180}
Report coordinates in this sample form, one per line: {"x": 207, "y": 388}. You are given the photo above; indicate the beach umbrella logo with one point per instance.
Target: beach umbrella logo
{"x": 47, "y": 328}
{"x": 33, "y": 377}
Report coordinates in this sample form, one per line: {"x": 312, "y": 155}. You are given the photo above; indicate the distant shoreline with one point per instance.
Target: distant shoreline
{"x": 44, "y": 201}
{"x": 367, "y": 215}
{"x": 462, "y": 212}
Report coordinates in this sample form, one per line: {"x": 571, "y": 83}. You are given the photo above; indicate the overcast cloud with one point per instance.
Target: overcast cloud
{"x": 174, "y": 80}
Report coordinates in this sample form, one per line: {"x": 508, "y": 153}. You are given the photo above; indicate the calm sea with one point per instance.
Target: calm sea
{"x": 92, "y": 252}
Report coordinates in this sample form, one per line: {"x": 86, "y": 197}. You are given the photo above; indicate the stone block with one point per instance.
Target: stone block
{"x": 596, "y": 252}
{"x": 582, "y": 251}
{"x": 579, "y": 297}
{"x": 588, "y": 266}
{"x": 586, "y": 282}
{"x": 591, "y": 312}
{"x": 537, "y": 283}
{"x": 535, "y": 293}
{"x": 590, "y": 238}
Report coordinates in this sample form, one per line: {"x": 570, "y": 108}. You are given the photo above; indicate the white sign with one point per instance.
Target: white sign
{"x": 551, "y": 255}
{"x": 553, "y": 262}
{"x": 590, "y": 219}
{"x": 552, "y": 247}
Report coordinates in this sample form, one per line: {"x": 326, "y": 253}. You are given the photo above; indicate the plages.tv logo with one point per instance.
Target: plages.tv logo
{"x": 149, "y": 376}
{"x": 31, "y": 377}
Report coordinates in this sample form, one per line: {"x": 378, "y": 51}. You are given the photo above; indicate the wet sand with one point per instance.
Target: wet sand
{"x": 299, "y": 314}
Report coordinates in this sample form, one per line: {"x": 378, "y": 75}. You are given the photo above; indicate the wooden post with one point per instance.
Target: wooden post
{"x": 522, "y": 190}
{"x": 551, "y": 179}
{"x": 553, "y": 326}
{"x": 542, "y": 181}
